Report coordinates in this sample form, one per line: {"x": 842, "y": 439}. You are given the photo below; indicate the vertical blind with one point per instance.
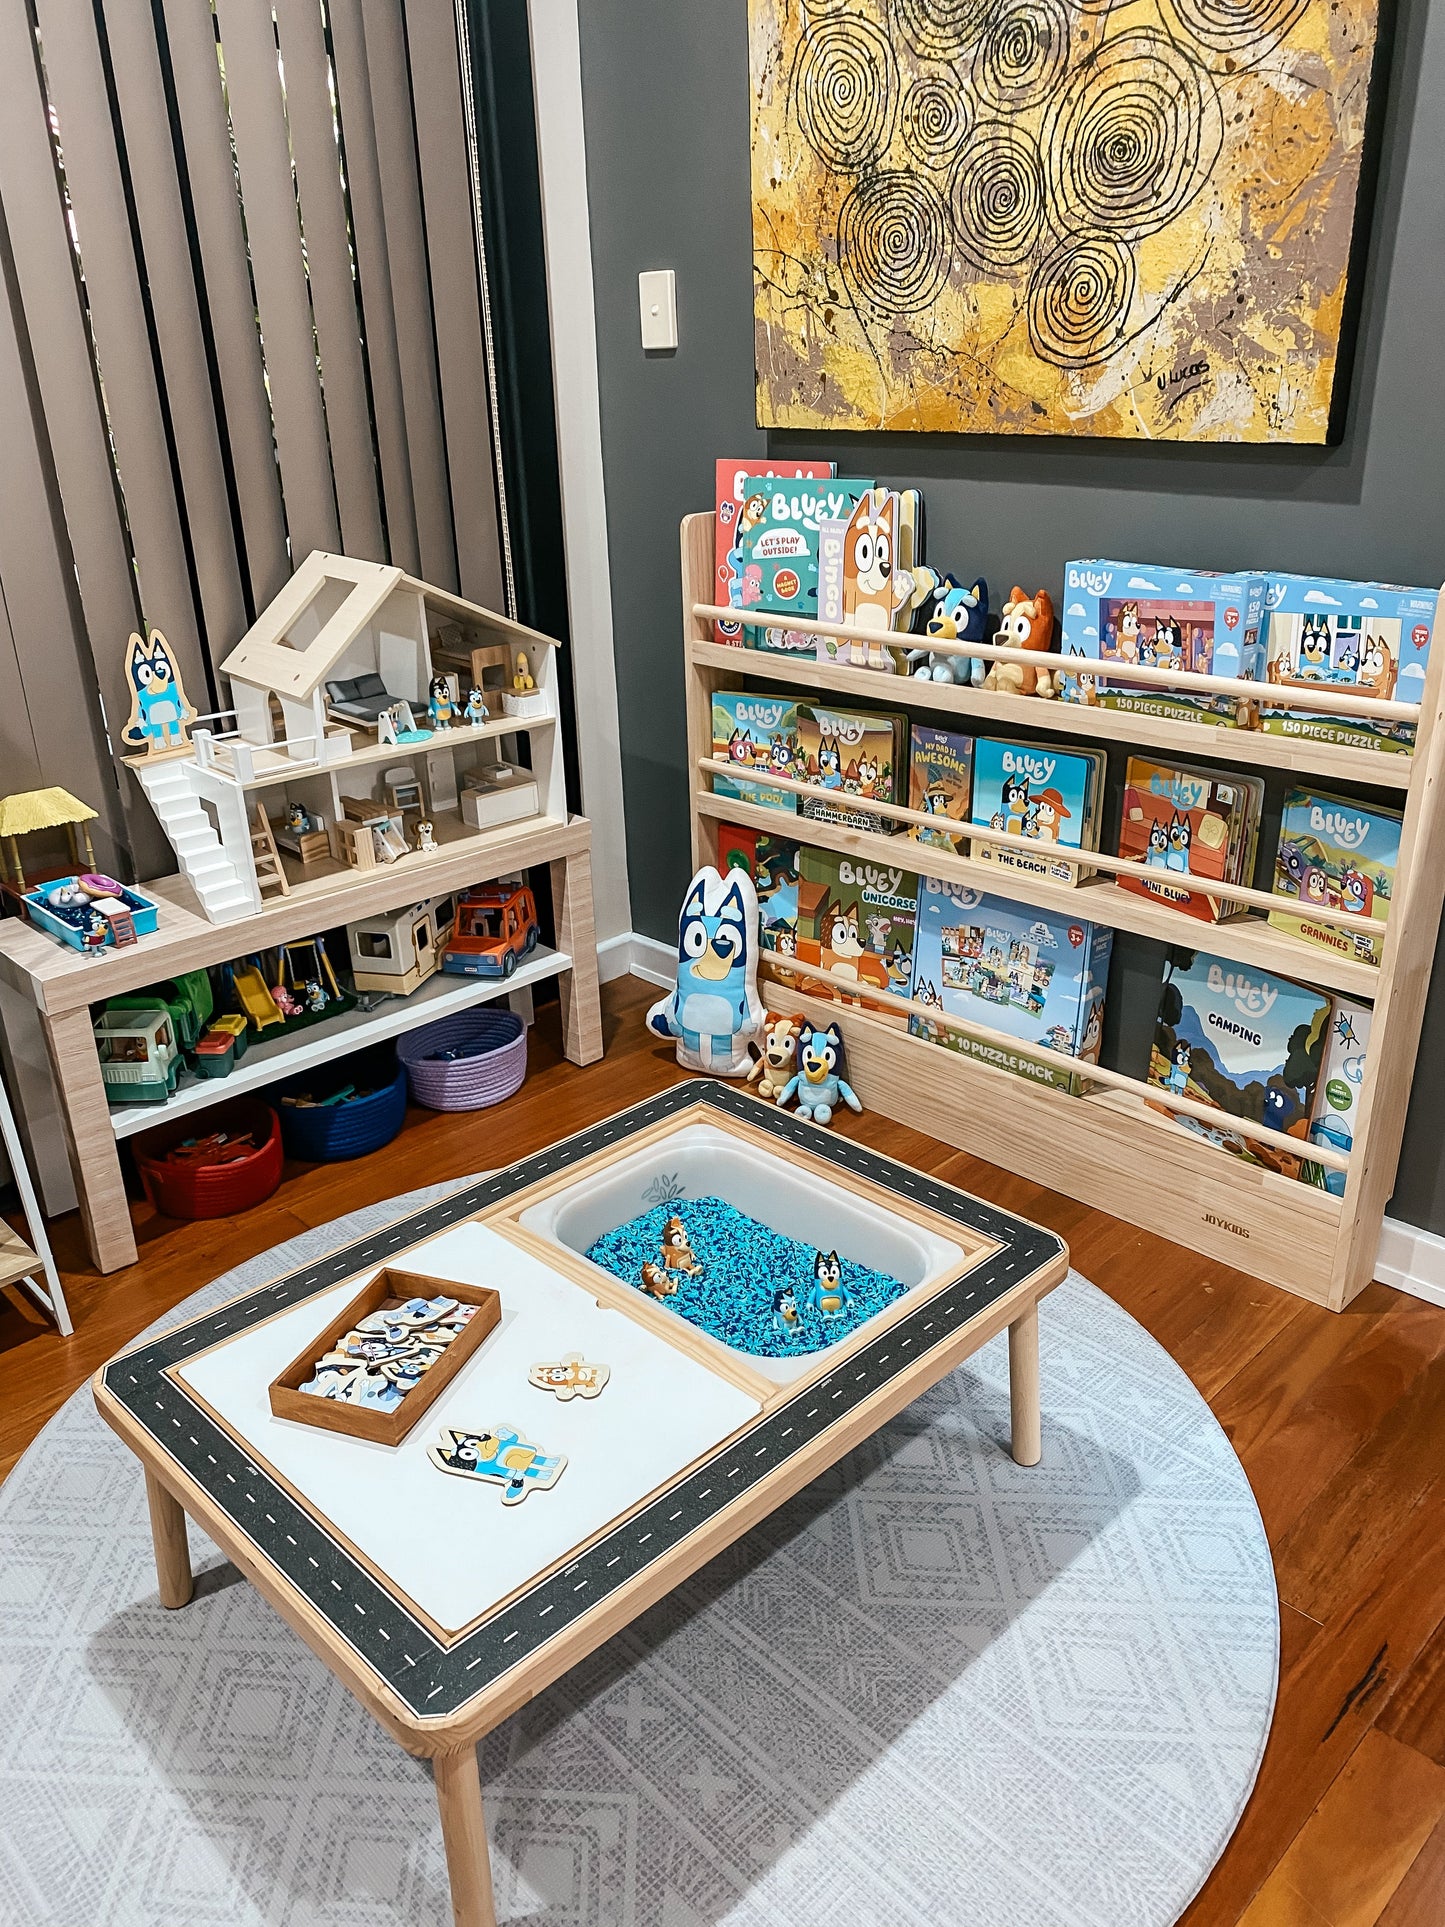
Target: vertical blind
{"x": 244, "y": 318}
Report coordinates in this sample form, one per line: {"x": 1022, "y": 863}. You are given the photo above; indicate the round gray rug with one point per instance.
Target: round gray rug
{"x": 935, "y": 1690}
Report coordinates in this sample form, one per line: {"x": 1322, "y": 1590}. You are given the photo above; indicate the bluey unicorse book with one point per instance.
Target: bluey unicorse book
{"x": 1340, "y": 1088}
{"x": 1335, "y": 854}
{"x": 1242, "y": 1041}
{"x": 757, "y": 735}
{"x": 1184, "y": 824}
{"x": 1024, "y": 973}
{"x": 857, "y": 918}
{"x": 773, "y": 864}
{"x": 730, "y": 495}
{"x": 940, "y": 777}
{"x": 1372, "y": 638}
{"x": 1048, "y": 798}
{"x": 845, "y": 752}
{"x": 777, "y": 562}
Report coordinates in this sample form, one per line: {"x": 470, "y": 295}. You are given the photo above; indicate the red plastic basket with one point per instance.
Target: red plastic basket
{"x": 212, "y": 1190}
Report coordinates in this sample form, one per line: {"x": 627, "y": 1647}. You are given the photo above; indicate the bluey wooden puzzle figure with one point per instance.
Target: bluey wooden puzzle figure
{"x": 874, "y": 589}
{"x": 820, "y": 1085}
{"x": 715, "y": 1011}
{"x": 161, "y": 714}
{"x": 500, "y": 1456}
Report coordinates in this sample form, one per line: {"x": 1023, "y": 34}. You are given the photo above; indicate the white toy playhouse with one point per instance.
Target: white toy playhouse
{"x": 330, "y": 690}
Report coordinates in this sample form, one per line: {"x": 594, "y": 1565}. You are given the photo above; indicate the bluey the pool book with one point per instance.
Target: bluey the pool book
{"x": 1339, "y": 854}
{"x": 1049, "y": 798}
{"x": 756, "y": 734}
{"x": 1183, "y": 824}
{"x": 940, "y": 777}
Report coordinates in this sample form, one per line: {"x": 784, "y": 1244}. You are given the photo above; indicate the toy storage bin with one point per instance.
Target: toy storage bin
{"x": 212, "y": 1190}
{"x": 215, "y": 1054}
{"x": 327, "y": 1133}
{"x": 466, "y": 1083}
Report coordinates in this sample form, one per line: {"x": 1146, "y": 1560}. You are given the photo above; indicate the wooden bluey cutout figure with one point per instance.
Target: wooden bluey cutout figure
{"x": 569, "y": 1377}
{"x": 874, "y": 589}
{"x": 500, "y": 1456}
{"x": 715, "y": 1011}
{"x": 160, "y": 711}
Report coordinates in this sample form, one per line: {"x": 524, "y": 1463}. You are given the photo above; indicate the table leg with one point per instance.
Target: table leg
{"x": 1023, "y": 1386}
{"x": 577, "y": 988}
{"x": 89, "y": 1140}
{"x": 173, "y": 1552}
{"x": 464, "y": 1835}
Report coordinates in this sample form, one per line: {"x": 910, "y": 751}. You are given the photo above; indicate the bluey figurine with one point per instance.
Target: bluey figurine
{"x": 829, "y": 1296}
{"x": 442, "y": 709}
{"x": 160, "y": 711}
{"x": 952, "y": 614}
{"x": 715, "y": 1011}
{"x": 820, "y": 1083}
{"x": 476, "y": 711}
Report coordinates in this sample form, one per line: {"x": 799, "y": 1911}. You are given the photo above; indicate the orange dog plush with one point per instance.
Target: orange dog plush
{"x": 1028, "y": 623}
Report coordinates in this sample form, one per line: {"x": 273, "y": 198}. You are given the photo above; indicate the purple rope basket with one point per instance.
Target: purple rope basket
{"x": 466, "y": 1083}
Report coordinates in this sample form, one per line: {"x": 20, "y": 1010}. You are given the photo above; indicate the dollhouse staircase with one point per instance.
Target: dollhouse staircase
{"x": 222, "y": 891}
{"x": 267, "y": 858}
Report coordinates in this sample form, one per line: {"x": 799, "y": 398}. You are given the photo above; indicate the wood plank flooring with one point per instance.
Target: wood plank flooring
{"x": 1339, "y": 1420}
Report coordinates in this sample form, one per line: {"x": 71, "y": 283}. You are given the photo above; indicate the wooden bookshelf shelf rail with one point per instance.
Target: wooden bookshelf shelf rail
{"x": 1107, "y": 1148}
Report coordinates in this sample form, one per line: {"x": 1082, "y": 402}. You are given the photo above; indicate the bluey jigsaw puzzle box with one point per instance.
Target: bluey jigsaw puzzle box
{"x": 1335, "y": 853}
{"x": 730, "y": 495}
{"x": 1024, "y": 972}
{"x": 1246, "y": 1042}
{"x": 1048, "y": 798}
{"x": 1372, "y": 638}
{"x": 1166, "y": 618}
{"x": 773, "y": 864}
{"x": 857, "y": 918}
{"x": 1341, "y": 1085}
{"x": 755, "y": 734}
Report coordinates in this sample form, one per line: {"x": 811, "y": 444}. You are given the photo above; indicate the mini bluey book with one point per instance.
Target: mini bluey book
{"x": 730, "y": 501}
{"x": 773, "y": 863}
{"x": 940, "y": 777}
{"x": 1339, "y": 854}
{"x": 1028, "y": 974}
{"x": 856, "y": 918}
{"x": 1340, "y": 1088}
{"x": 778, "y": 532}
{"x": 1184, "y": 824}
{"x": 1368, "y": 637}
{"x": 1242, "y": 1041}
{"x": 757, "y": 734}
{"x": 1048, "y": 798}
{"x": 846, "y": 752}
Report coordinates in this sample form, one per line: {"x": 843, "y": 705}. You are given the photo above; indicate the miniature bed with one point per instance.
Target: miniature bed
{"x": 445, "y": 1603}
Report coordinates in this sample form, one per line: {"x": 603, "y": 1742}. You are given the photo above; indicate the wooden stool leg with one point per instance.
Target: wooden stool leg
{"x": 464, "y": 1835}
{"x": 173, "y": 1552}
{"x": 1023, "y": 1385}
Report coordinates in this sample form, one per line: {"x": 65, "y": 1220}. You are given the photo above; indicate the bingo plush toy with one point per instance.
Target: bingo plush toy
{"x": 820, "y": 1085}
{"x": 715, "y": 1011}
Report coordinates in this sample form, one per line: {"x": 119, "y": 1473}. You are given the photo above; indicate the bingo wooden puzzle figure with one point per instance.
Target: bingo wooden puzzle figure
{"x": 826, "y": 1289}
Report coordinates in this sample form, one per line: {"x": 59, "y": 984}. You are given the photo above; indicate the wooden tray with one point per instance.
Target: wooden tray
{"x": 389, "y": 1287}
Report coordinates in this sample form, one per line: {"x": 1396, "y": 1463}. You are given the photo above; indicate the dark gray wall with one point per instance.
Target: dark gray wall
{"x": 665, "y": 93}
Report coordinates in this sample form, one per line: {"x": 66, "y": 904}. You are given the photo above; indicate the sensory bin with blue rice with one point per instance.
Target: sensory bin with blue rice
{"x": 744, "y": 1264}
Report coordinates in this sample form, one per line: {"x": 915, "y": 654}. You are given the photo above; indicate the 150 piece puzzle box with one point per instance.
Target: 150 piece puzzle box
{"x": 1048, "y": 798}
{"x": 1184, "y": 824}
{"x": 1166, "y": 618}
{"x": 1370, "y": 637}
{"x": 1027, "y": 973}
{"x": 730, "y": 494}
{"x": 1339, "y": 854}
{"x": 756, "y": 734}
{"x": 857, "y": 918}
{"x": 1245, "y": 1042}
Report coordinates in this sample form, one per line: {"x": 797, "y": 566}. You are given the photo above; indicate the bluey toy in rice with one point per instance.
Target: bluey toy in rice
{"x": 715, "y": 1011}
{"x": 820, "y": 1085}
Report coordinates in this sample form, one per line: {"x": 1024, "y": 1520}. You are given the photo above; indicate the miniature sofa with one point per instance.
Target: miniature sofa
{"x": 360, "y": 700}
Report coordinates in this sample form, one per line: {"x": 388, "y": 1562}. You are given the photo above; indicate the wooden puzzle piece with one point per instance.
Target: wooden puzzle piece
{"x": 501, "y": 1456}
{"x": 569, "y": 1376}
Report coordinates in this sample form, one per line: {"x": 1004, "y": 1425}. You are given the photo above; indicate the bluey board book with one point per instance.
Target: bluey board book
{"x": 940, "y": 781}
{"x": 1243, "y": 1041}
{"x": 756, "y": 733}
{"x": 1339, "y": 854}
{"x": 1048, "y": 798}
{"x": 1187, "y": 823}
{"x": 1371, "y": 637}
{"x": 852, "y": 753}
{"x": 1026, "y": 973}
{"x": 778, "y": 533}
{"x": 1166, "y": 618}
{"x": 1341, "y": 1085}
{"x": 773, "y": 863}
{"x": 865, "y": 576}
{"x": 857, "y": 918}
{"x": 730, "y": 496}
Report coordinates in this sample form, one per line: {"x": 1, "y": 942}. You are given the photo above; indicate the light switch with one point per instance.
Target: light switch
{"x": 657, "y": 297}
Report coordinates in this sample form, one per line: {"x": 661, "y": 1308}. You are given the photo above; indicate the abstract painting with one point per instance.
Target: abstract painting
{"x": 1057, "y": 217}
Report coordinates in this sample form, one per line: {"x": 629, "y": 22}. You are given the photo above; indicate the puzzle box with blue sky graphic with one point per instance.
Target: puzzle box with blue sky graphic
{"x": 1140, "y": 612}
{"x": 1373, "y": 637}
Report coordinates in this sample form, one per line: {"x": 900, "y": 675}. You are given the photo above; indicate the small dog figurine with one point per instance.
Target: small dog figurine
{"x": 476, "y": 711}
{"x": 677, "y": 1252}
{"x": 657, "y": 1282}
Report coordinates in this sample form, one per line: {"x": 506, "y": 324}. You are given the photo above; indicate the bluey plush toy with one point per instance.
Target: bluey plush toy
{"x": 715, "y": 1011}
{"x": 820, "y": 1085}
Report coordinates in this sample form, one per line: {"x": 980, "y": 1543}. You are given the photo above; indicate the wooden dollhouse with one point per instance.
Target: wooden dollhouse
{"x": 317, "y": 685}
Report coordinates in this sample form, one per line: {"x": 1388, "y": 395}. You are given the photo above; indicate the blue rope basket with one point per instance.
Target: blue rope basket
{"x": 328, "y": 1133}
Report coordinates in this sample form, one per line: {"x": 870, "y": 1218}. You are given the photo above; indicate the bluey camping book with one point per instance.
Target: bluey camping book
{"x": 1183, "y": 824}
{"x": 1338, "y": 854}
{"x": 940, "y": 776}
{"x": 1048, "y": 798}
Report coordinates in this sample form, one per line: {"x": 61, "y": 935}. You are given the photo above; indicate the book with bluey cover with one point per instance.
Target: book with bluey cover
{"x": 856, "y": 918}
{"x": 940, "y": 778}
{"x": 757, "y": 734}
{"x": 1335, "y": 853}
{"x": 1185, "y": 824}
{"x": 1050, "y": 799}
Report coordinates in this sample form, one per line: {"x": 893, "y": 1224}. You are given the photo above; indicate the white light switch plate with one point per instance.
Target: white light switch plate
{"x": 657, "y": 297}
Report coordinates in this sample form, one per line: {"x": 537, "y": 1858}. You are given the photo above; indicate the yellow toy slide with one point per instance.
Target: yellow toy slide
{"x": 255, "y": 999}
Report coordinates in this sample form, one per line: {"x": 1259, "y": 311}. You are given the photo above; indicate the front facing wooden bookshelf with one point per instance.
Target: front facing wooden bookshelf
{"x": 1107, "y": 1148}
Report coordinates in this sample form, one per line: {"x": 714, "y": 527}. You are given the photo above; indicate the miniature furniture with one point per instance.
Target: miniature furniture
{"x": 1099, "y": 1147}
{"x": 265, "y": 857}
{"x": 397, "y": 951}
{"x": 63, "y": 984}
{"x": 361, "y": 700}
{"x": 442, "y": 1608}
{"x": 21, "y": 1262}
{"x": 30, "y": 811}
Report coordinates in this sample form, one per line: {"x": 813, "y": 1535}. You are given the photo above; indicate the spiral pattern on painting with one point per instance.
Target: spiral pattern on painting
{"x": 997, "y": 195}
{"x": 936, "y": 118}
{"x": 1023, "y": 54}
{"x": 1136, "y": 134}
{"x": 893, "y": 243}
{"x": 844, "y": 90}
{"x": 941, "y": 29}
{"x": 1244, "y": 28}
{"x": 1079, "y": 301}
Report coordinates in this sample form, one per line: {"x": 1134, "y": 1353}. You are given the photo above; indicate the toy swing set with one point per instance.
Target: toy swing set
{"x": 287, "y": 988}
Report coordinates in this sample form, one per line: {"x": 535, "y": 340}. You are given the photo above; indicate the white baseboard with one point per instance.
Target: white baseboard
{"x": 637, "y": 956}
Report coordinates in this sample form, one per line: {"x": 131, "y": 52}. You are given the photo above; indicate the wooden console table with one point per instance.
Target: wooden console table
{"x": 63, "y": 984}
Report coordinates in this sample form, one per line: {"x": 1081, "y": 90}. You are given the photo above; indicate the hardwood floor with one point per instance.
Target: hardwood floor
{"x": 1339, "y": 1420}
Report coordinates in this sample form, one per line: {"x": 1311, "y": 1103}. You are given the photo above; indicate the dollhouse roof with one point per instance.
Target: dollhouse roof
{"x": 329, "y": 600}
{"x": 41, "y": 810}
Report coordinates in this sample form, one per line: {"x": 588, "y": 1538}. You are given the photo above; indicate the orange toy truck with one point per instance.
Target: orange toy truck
{"x": 496, "y": 924}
